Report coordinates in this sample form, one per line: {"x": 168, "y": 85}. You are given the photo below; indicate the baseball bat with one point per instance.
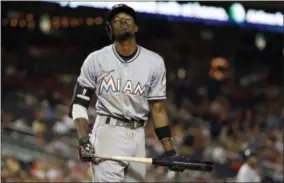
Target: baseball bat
{"x": 190, "y": 165}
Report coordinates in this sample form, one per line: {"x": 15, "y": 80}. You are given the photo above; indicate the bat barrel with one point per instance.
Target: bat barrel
{"x": 191, "y": 165}
{"x": 199, "y": 166}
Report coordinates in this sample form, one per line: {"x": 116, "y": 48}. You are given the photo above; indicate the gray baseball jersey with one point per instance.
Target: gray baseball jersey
{"x": 123, "y": 88}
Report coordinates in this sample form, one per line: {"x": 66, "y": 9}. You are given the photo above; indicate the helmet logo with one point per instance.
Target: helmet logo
{"x": 118, "y": 5}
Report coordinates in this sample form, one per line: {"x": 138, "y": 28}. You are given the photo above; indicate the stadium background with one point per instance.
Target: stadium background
{"x": 225, "y": 88}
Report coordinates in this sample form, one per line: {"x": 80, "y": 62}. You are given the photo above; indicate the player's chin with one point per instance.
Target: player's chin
{"x": 124, "y": 31}
{"x": 124, "y": 36}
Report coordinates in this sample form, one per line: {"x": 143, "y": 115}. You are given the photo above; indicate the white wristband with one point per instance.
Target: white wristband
{"x": 79, "y": 111}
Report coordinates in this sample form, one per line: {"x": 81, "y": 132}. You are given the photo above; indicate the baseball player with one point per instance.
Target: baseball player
{"x": 129, "y": 82}
{"x": 247, "y": 172}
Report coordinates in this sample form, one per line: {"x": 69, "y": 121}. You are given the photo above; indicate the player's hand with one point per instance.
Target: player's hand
{"x": 86, "y": 151}
{"x": 173, "y": 156}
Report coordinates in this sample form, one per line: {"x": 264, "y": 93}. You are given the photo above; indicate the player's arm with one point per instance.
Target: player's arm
{"x": 78, "y": 109}
{"x": 156, "y": 96}
{"x": 161, "y": 124}
{"x": 82, "y": 95}
{"x": 158, "y": 110}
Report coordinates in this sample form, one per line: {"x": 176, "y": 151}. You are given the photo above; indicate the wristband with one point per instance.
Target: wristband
{"x": 163, "y": 132}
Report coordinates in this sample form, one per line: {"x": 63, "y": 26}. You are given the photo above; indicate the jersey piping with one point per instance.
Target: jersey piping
{"x": 130, "y": 60}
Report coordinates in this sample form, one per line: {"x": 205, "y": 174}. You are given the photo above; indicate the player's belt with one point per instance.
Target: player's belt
{"x": 132, "y": 124}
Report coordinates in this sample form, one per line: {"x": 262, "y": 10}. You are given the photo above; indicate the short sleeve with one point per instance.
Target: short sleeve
{"x": 158, "y": 83}
{"x": 88, "y": 74}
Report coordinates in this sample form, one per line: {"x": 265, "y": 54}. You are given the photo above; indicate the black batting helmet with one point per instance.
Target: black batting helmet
{"x": 249, "y": 153}
{"x": 118, "y": 8}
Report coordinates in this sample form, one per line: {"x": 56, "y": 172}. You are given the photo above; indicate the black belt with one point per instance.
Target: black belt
{"x": 132, "y": 124}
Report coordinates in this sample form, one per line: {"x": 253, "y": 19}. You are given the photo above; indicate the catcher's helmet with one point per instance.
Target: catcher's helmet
{"x": 119, "y": 8}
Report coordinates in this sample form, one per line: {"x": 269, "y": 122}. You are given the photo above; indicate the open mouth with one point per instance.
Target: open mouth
{"x": 124, "y": 27}
{"x": 124, "y": 30}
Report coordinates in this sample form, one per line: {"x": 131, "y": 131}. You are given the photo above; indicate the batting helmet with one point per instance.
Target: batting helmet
{"x": 248, "y": 153}
{"x": 119, "y": 8}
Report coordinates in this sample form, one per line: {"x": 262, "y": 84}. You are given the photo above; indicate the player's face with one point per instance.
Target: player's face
{"x": 124, "y": 26}
{"x": 253, "y": 161}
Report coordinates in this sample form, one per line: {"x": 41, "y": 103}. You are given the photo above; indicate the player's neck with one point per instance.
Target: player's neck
{"x": 126, "y": 48}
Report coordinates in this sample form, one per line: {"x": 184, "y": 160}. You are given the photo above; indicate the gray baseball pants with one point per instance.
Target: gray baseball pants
{"x": 112, "y": 140}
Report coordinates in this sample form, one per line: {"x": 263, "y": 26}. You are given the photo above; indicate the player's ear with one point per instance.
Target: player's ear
{"x": 136, "y": 28}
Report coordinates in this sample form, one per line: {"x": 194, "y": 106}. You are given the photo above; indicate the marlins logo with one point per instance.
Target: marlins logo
{"x": 104, "y": 74}
{"x": 111, "y": 84}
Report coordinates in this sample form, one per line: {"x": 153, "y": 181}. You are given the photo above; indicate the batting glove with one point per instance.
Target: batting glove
{"x": 173, "y": 156}
{"x": 86, "y": 150}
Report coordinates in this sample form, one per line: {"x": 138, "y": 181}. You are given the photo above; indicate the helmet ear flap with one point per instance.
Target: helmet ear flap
{"x": 109, "y": 30}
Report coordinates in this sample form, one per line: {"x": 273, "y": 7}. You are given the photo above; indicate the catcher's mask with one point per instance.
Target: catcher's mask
{"x": 119, "y": 8}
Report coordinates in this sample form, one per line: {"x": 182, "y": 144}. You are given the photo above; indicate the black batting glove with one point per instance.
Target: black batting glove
{"x": 173, "y": 156}
{"x": 86, "y": 150}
